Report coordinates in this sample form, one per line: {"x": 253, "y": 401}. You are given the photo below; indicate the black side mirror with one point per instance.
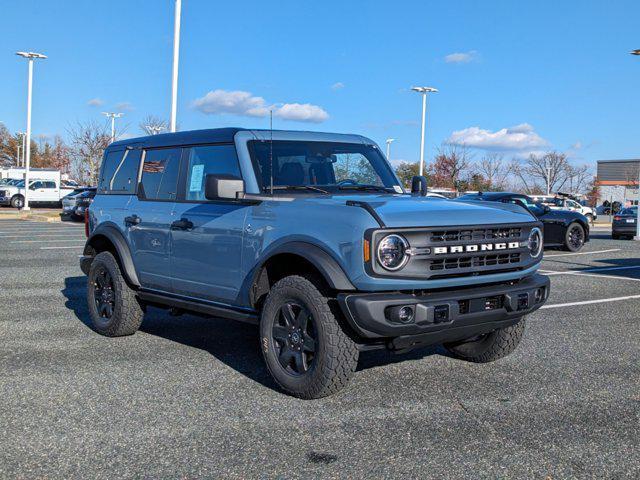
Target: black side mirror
{"x": 419, "y": 186}
{"x": 223, "y": 186}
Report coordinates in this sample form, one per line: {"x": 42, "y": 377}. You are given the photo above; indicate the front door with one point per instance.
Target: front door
{"x": 149, "y": 217}
{"x": 207, "y": 238}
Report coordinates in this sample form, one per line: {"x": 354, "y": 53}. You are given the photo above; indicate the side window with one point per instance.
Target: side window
{"x": 215, "y": 159}
{"x": 109, "y": 165}
{"x": 35, "y": 185}
{"x": 160, "y": 173}
{"x": 125, "y": 175}
{"x": 49, "y": 185}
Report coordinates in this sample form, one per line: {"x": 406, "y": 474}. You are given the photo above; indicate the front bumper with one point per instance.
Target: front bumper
{"x": 442, "y": 316}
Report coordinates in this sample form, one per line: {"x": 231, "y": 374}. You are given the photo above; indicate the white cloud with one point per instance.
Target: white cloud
{"x": 301, "y": 112}
{"x": 95, "y": 102}
{"x": 124, "y": 106}
{"x": 519, "y": 138}
{"x": 461, "y": 57}
{"x": 337, "y": 86}
{"x": 245, "y": 104}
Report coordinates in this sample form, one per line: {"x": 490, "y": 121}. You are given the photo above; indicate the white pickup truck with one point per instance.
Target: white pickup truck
{"x": 40, "y": 191}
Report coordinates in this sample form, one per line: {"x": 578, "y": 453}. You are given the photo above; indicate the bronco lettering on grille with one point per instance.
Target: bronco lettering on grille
{"x": 482, "y": 247}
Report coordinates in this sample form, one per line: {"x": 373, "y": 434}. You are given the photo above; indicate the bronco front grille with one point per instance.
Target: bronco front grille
{"x": 454, "y": 252}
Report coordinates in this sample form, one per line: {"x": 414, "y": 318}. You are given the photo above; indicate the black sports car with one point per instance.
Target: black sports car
{"x": 562, "y": 228}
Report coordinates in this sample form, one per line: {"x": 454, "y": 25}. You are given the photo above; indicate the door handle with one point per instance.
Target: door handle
{"x": 132, "y": 220}
{"x": 182, "y": 224}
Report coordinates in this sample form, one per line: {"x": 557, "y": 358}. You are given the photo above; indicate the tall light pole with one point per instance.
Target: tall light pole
{"x": 113, "y": 116}
{"x": 20, "y": 149}
{"x": 637, "y": 237}
{"x": 389, "y": 140}
{"x": 176, "y": 55}
{"x": 548, "y": 180}
{"x": 424, "y": 91}
{"x": 30, "y": 56}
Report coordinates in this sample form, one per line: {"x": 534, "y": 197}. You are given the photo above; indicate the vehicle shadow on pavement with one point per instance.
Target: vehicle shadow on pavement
{"x": 231, "y": 342}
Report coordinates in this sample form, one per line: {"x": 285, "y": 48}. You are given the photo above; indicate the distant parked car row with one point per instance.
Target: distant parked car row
{"x": 76, "y": 203}
{"x": 562, "y": 228}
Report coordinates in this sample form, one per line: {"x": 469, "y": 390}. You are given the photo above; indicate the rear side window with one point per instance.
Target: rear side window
{"x": 215, "y": 159}
{"x": 49, "y": 184}
{"x": 120, "y": 172}
{"x": 160, "y": 173}
{"x": 109, "y": 165}
{"x": 125, "y": 176}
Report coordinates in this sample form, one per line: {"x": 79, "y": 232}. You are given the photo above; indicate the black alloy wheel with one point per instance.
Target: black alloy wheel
{"x": 294, "y": 337}
{"x": 104, "y": 294}
{"x": 575, "y": 237}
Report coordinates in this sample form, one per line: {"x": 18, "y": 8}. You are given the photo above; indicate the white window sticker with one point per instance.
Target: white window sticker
{"x": 398, "y": 189}
{"x": 197, "y": 172}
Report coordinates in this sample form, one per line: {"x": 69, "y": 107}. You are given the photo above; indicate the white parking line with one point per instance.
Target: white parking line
{"x": 45, "y": 241}
{"x": 61, "y": 248}
{"x": 587, "y": 270}
{"x": 582, "y": 253}
{"x": 48, "y": 235}
{"x": 590, "y": 302}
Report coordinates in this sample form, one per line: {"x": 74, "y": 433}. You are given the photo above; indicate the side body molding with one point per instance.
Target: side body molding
{"x": 113, "y": 234}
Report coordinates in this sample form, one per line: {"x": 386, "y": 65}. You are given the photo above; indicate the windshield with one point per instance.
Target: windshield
{"x": 321, "y": 166}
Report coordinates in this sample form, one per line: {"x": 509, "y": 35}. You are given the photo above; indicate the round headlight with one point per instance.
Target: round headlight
{"x": 393, "y": 252}
{"x": 535, "y": 242}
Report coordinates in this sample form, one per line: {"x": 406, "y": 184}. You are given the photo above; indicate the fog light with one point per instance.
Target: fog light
{"x": 539, "y": 295}
{"x": 401, "y": 314}
{"x": 405, "y": 315}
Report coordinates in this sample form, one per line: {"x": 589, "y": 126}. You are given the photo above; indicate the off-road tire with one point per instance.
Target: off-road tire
{"x": 568, "y": 244}
{"x": 336, "y": 356}
{"x": 17, "y": 201}
{"x": 490, "y": 347}
{"x": 127, "y": 311}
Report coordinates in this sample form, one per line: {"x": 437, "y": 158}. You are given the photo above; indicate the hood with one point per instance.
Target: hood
{"x": 406, "y": 211}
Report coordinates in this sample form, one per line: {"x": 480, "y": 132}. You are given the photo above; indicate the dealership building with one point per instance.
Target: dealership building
{"x": 618, "y": 180}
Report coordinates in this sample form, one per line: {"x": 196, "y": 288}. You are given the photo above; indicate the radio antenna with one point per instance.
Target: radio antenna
{"x": 271, "y": 150}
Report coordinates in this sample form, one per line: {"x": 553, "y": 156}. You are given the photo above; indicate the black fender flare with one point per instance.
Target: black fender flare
{"x": 113, "y": 234}
{"x": 328, "y": 267}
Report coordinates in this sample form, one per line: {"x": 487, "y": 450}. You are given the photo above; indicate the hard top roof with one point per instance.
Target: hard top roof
{"x": 214, "y": 135}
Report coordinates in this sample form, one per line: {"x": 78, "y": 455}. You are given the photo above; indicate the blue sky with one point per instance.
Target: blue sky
{"x": 513, "y": 76}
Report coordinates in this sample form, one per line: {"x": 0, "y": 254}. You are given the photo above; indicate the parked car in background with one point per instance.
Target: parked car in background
{"x": 40, "y": 191}
{"x": 562, "y": 228}
{"x": 624, "y": 223}
{"x": 77, "y": 201}
{"x": 564, "y": 202}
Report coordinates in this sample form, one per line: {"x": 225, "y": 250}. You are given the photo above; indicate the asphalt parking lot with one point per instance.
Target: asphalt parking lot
{"x": 189, "y": 397}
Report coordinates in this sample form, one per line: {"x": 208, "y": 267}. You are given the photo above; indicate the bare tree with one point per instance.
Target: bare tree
{"x": 495, "y": 170}
{"x": 152, "y": 125}
{"x": 449, "y": 166}
{"x": 88, "y": 142}
{"x": 580, "y": 178}
{"x": 550, "y": 170}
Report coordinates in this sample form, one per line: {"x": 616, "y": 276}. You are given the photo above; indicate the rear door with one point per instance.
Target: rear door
{"x": 150, "y": 215}
{"x": 207, "y": 251}
{"x": 50, "y": 192}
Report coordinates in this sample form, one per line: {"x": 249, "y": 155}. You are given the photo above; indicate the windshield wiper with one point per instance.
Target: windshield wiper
{"x": 298, "y": 187}
{"x": 375, "y": 188}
